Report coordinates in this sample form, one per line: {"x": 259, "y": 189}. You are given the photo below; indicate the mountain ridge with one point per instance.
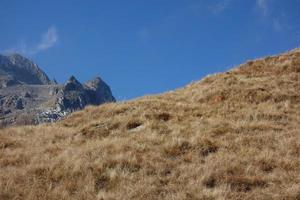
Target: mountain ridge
{"x": 28, "y": 96}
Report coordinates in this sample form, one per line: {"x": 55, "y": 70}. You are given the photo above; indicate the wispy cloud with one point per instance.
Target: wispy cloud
{"x": 48, "y": 39}
{"x": 263, "y": 6}
{"x": 277, "y": 21}
{"x": 220, "y": 6}
{"x": 277, "y": 25}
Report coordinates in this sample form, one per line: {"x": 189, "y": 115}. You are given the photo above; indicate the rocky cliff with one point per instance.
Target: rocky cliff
{"x": 28, "y": 96}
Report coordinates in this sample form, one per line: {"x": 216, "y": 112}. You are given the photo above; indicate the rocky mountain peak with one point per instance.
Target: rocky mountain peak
{"x": 73, "y": 79}
{"x": 17, "y": 69}
{"x": 100, "y": 89}
{"x": 94, "y": 83}
{"x": 28, "y": 96}
{"x": 73, "y": 84}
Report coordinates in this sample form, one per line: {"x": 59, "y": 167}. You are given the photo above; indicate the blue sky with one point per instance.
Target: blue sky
{"x": 144, "y": 47}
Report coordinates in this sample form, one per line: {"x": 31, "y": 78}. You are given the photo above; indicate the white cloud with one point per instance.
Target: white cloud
{"x": 48, "y": 40}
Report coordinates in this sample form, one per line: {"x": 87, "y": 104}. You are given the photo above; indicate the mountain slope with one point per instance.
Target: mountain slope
{"x": 233, "y": 135}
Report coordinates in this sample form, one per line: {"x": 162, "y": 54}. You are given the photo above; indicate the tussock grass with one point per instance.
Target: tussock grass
{"x": 233, "y": 135}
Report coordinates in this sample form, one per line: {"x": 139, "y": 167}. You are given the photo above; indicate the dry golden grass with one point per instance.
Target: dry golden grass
{"x": 234, "y": 135}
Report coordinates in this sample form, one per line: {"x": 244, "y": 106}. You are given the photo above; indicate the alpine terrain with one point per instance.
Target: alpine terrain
{"x": 28, "y": 96}
{"x": 233, "y": 135}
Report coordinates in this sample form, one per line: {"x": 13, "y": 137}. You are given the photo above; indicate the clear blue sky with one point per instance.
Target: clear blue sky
{"x": 144, "y": 47}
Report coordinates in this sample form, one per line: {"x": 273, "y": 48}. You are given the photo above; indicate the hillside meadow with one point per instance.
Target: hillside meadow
{"x": 233, "y": 135}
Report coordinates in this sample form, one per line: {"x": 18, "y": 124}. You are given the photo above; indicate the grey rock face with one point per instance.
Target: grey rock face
{"x": 27, "y": 96}
{"x": 15, "y": 69}
{"x": 99, "y": 90}
{"x": 75, "y": 96}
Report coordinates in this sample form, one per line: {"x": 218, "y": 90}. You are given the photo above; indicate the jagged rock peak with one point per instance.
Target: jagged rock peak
{"x": 102, "y": 90}
{"x": 73, "y": 84}
{"x": 73, "y": 79}
{"x": 95, "y": 83}
{"x": 96, "y": 79}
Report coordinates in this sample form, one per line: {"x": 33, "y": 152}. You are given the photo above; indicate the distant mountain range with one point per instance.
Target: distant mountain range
{"x": 28, "y": 96}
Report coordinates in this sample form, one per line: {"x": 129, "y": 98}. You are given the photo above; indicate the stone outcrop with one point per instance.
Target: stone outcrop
{"x": 27, "y": 96}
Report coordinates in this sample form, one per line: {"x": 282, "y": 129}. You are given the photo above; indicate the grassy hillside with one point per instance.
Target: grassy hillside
{"x": 234, "y": 135}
